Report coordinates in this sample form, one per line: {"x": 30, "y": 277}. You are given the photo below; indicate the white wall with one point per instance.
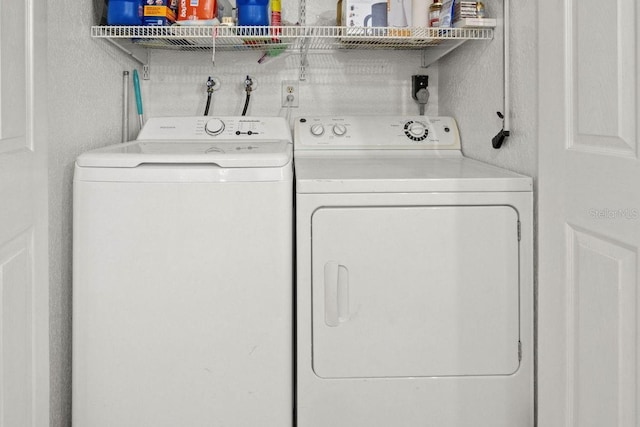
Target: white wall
{"x": 351, "y": 82}
{"x": 84, "y": 103}
{"x": 471, "y": 90}
{"x": 85, "y": 88}
{"x": 346, "y": 82}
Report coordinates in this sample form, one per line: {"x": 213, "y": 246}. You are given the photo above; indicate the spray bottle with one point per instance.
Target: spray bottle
{"x": 276, "y": 16}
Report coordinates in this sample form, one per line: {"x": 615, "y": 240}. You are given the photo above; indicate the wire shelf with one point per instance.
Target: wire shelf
{"x": 288, "y": 37}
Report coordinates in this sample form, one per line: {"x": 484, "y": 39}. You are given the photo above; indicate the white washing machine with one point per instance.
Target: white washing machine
{"x": 183, "y": 276}
{"x": 414, "y": 278}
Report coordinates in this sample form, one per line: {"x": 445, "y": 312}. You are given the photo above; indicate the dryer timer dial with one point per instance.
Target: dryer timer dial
{"x": 416, "y": 131}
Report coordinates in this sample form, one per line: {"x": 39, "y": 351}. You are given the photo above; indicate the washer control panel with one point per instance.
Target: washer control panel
{"x": 216, "y": 128}
{"x": 376, "y": 132}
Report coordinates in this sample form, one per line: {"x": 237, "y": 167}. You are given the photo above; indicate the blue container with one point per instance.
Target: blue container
{"x": 124, "y": 12}
{"x": 253, "y": 12}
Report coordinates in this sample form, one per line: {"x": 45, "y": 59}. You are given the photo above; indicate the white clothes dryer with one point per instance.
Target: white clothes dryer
{"x": 414, "y": 278}
{"x": 183, "y": 276}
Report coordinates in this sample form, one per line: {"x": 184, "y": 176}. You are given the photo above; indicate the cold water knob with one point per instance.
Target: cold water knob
{"x": 214, "y": 127}
{"x": 339, "y": 130}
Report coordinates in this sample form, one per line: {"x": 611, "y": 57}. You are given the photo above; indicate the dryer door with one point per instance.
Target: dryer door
{"x": 415, "y": 291}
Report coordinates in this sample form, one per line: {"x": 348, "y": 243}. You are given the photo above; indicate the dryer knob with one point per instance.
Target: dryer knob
{"x": 339, "y": 130}
{"x": 214, "y": 127}
{"x": 417, "y": 129}
{"x": 317, "y": 130}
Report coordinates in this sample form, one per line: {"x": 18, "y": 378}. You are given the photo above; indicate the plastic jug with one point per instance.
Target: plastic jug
{"x": 253, "y": 12}
{"x": 124, "y": 12}
{"x": 378, "y": 17}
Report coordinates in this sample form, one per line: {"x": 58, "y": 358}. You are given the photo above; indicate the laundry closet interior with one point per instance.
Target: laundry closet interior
{"x": 340, "y": 86}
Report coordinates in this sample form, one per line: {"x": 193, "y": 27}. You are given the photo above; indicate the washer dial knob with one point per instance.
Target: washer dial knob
{"x": 214, "y": 127}
{"x": 416, "y": 131}
{"x": 317, "y": 130}
{"x": 339, "y": 130}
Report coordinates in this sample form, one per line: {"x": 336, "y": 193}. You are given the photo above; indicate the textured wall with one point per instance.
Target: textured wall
{"x": 85, "y": 87}
{"x": 471, "y": 90}
{"x": 345, "y": 82}
{"x": 84, "y": 102}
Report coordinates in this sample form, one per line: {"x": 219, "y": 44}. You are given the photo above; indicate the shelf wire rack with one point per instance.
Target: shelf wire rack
{"x": 288, "y": 37}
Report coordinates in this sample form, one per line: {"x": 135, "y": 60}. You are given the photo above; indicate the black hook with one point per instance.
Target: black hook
{"x": 498, "y": 140}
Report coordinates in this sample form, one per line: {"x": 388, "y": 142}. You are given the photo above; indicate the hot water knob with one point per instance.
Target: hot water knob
{"x": 339, "y": 130}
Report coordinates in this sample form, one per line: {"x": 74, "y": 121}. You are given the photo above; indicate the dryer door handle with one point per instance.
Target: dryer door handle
{"x": 336, "y": 293}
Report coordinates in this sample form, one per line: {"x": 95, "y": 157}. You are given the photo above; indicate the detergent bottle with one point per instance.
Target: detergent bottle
{"x": 253, "y": 12}
{"x": 124, "y": 12}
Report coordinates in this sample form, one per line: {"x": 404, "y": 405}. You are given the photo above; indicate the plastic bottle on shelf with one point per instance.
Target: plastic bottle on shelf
{"x": 420, "y": 13}
{"x": 124, "y": 12}
{"x": 434, "y": 13}
{"x": 276, "y": 16}
{"x": 253, "y": 12}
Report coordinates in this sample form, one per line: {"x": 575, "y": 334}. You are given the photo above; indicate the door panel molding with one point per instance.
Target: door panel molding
{"x": 17, "y": 308}
{"x": 601, "y": 312}
{"x": 601, "y": 73}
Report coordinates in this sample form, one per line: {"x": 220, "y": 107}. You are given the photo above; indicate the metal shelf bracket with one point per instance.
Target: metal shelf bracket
{"x": 126, "y": 51}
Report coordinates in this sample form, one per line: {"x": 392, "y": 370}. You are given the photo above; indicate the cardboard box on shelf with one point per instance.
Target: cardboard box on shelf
{"x": 159, "y": 12}
{"x": 475, "y": 23}
{"x": 196, "y": 10}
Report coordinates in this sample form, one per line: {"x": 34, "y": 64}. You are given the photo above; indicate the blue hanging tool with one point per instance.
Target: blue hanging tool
{"x": 136, "y": 88}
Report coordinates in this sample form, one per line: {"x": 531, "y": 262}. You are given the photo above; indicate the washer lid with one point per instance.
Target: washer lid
{"x": 225, "y": 154}
{"x": 388, "y": 174}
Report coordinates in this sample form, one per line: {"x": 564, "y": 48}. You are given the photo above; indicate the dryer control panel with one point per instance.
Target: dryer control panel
{"x": 376, "y": 133}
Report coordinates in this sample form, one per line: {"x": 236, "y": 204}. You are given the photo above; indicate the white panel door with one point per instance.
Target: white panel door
{"x": 24, "y": 303}
{"x": 589, "y": 213}
{"x": 415, "y": 291}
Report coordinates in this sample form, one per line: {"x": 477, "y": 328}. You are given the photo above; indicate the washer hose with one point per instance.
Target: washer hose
{"x": 246, "y": 103}
{"x": 248, "y": 87}
{"x": 210, "y": 85}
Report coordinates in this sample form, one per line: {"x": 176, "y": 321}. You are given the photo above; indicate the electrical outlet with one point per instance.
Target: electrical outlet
{"x": 290, "y": 93}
